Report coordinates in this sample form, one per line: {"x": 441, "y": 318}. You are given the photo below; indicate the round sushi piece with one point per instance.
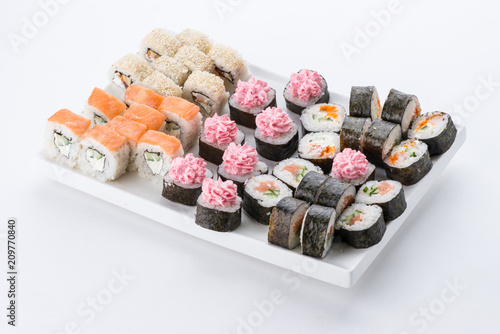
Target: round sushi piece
{"x": 248, "y": 100}
{"x": 379, "y": 139}
{"x": 261, "y": 195}
{"x": 317, "y": 231}
{"x": 309, "y": 186}
{"x": 218, "y": 133}
{"x": 364, "y": 102}
{"x": 409, "y": 162}
{"x": 286, "y": 222}
{"x": 361, "y": 225}
{"x": 353, "y": 131}
{"x": 335, "y": 194}
{"x": 292, "y": 171}
{"x": 218, "y": 207}
{"x": 320, "y": 148}
{"x": 276, "y": 136}
{"x": 240, "y": 163}
{"x": 388, "y": 194}
{"x": 436, "y": 129}
{"x": 305, "y": 89}
{"x": 401, "y": 108}
{"x": 322, "y": 117}
{"x": 352, "y": 167}
{"x": 182, "y": 184}
{"x": 229, "y": 65}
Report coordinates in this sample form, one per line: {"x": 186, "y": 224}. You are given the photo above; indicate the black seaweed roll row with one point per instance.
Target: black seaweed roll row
{"x": 309, "y": 186}
{"x": 364, "y": 102}
{"x": 401, "y": 108}
{"x": 353, "y": 131}
{"x": 317, "y": 231}
{"x": 286, "y": 222}
{"x": 379, "y": 139}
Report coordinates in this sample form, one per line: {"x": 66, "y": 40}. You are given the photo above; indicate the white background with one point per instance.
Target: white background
{"x": 70, "y": 243}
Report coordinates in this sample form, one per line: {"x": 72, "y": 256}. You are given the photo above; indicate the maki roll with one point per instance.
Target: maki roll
{"x": 171, "y": 68}
{"x": 207, "y": 91}
{"x": 320, "y": 148}
{"x": 389, "y": 195}
{"x": 436, "y": 129}
{"x": 182, "y": 183}
{"x": 218, "y": 207}
{"x": 286, "y": 222}
{"x": 63, "y": 133}
{"x": 305, "y": 89}
{"x": 322, "y": 117}
{"x": 183, "y": 120}
{"x": 276, "y": 136}
{"x": 195, "y": 38}
{"x": 101, "y": 107}
{"x": 151, "y": 118}
{"x": 218, "y": 133}
{"x": 228, "y": 65}
{"x": 292, "y": 171}
{"x": 194, "y": 59}
{"x": 400, "y": 108}
{"x": 262, "y": 193}
{"x": 158, "y": 43}
{"x": 161, "y": 84}
{"x": 135, "y": 94}
{"x": 131, "y": 130}
{"x": 128, "y": 70}
{"x": 352, "y": 167}
{"x": 409, "y": 162}
{"x": 104, "y": 153}
{"x": 361, "y": 225}
{"x": 364, "y": 102}
{"x": 155, "y": 152}
{"x": 240, "y": 163}
{"x": 249, "y": 99}
{"x": 379, "y": 139}
{"x": 317, "y": 231}
{"x": 352, "y": 133}
{"x": 335, "y": 194}
{"x": 309, "y": 186}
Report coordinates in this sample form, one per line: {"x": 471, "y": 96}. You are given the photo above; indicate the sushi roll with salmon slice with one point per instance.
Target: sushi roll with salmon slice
{"x": 352, "y": 133}
{"x": 322, "y": 117}
{"x": 228, "y": 65}
{"x": 364, "y": 102}
{"x": 285, "y": 222}
{"x": 317, "y": 231}
{"x": 63, "y": 133}
{"x": 276, "y": 136}
{"x": 262, "y": 193}
{"x": 135, "y": 94}
{"x": 194, "y": 60}
{"x": 305, "y": 89}
{"x": 352, "y": 167}
{"x": 218, "y": 133}
{"x": 182, "y": 184}
{"x": 128, "y": 70}
{"x": 388, "y": 194}
{"x": 207, "y": 91}
{"x": 408, "y": 162}
{"x": 361, "y": 225}
{"x": 309, "y": 186}
{"x": 219, "y": 207}
{"x": 195, "y": 38}
{"x": 131, "y": 130}
{"x": 183, "y": 120}
{"x": 335, "y": 194}
{"x": 292, "y": 171}
{"x": 155, "y": 152}
{"x": 161, "y": 84}
{"x": 248, "y": 100}
{"x": 158, "y": 43}
{"x": 240, "y": 163}
{"x": 171, "y": 68}
{"x": 436, "y": 129}
{"x": 401, "y": 108}
{"x": 379, "y": 139}
{"x": 104, "y": 154}
{"x": 151, "y": 118}
{"x": 320, "y": 148}
{"x": 101, "y": 107}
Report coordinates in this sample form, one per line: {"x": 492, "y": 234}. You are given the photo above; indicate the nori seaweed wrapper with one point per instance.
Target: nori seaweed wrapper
{"x": 243, "y": 118}
{"x": 325, "y": 164}
{"x": 331, "y": 191}
{"x": 178, "y": 194}
{"x": 298, "y": 109}
{"x": 395, "y": 107}
{"x": 442, "y": 142}
{"x": 374, "y": 140}
{"x": 281, "y": 219}
{"x": 217, "y": 220}
{"x": 259, "y": 212}
{"x": 315, "y": 230}
{"x": 360, "y": 102}
{"x": 395, "y": 207}
{"x": 364, "y": 238}
{"x": 411, "y": 174}
{"x": 309, "y": 186}
{"x": 352, "y": 132}
{"x": 277, "y": 152}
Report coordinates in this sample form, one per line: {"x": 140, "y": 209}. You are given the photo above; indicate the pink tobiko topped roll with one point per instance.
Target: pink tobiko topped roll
{"x": 188, "y": 170}
{"x": 219, "y": 193}
{"x": 252, "y": 93}
{"x": 220, "y": 130}
{"x": 349, "y": 164}
{"x": 305, "y": 84}
{"x": 273, "y": 122}
{"x": 240, "y": 159}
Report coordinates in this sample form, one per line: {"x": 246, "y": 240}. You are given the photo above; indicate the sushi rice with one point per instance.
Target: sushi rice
{"x": 323, "y": 117}
{"x": 368, "y": 215}
{"x": 291, "y": 171}
{"x": 319, "y": 145}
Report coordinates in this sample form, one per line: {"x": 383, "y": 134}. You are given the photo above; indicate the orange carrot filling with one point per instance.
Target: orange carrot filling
{"x": 329, "y": 150}
{"x": 331, "y": 111}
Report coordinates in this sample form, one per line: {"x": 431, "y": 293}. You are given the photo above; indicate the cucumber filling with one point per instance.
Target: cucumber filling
{"x": 272, "y": 193}
{"x": 154, "y": 162}
{"x": 63, "y": 144}
{"x": 96, "y": 159}
{"x": 98, "y": 120}
{"x": 173, "y": 129}
{"x": 301, "y": 173}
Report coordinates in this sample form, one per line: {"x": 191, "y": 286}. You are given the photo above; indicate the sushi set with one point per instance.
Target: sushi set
{"x": 186, "y": 133}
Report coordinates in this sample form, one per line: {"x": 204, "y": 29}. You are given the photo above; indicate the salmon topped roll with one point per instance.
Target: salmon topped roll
{"x": 152, "y": 118}
{"x": 183, "y": 120}
{"x": 155, "y": 152}
{"x": 104, "y": 153}
{"x": 128, "y": 70}
{"x": 62, "y": 136}
{"x": 131, "y": 130}
{"x": 101, "y": 107}
{"x": 161, "y": 84}
{"x": 158, "y": 43}
{"x": 142, "y": 95}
